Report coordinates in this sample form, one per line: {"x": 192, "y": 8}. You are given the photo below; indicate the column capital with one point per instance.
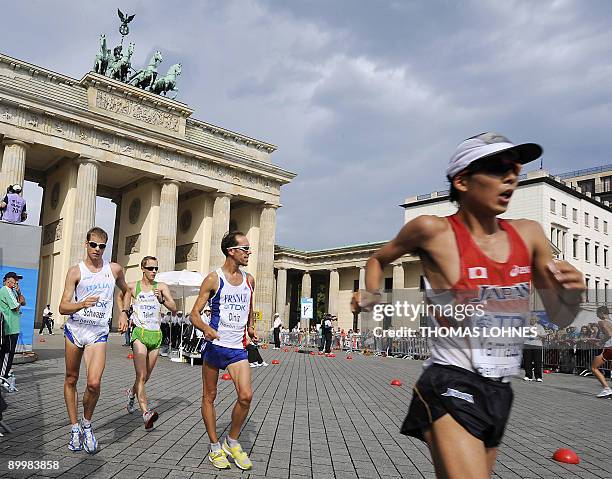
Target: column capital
{"x": 12, "y": 141}
{"x": 84, "y": 160}
{"x": 271, "y": 205}
{"x": 332, "y": 270}
{"x": 397, "y": 264}
{"x": 169, "y": 181}
{"x": 222, "y": 194}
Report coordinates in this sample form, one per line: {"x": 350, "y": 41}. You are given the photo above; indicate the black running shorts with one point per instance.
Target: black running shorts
{"x": 480, "y": 405}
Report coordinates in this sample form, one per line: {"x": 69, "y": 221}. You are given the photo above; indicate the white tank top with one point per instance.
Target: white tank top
{"x": 146, "y": 309}
{"x": 230, "y": 308}
{"x": 101, "y": 284}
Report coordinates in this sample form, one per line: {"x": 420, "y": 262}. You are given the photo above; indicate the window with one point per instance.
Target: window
{"x": 587, "y": 186}
{"x": 586, "y": 219}
{"x": 605, "y": 227}
{"x": 596, "y": 291}
{"x": 605, "y": 257}
{"x": 596, "y": 223}
{"x": 355, "y": 285}
{"x": 575, "y": 247}
{"x": 587, "y": 281}
{"x": 575, "y": 215}
{"x": 586, "y": 250}
{"x": 605, "y": 292}
{"x": 552, "y": 205}
{"x": 388, "y": 284}
{"x": 606, "y": 183}
{"x": 552, "y": 235}
{"x": 563, "y": 244}
{"x": 596, "y": 254}
{"x": 564, "y": 210}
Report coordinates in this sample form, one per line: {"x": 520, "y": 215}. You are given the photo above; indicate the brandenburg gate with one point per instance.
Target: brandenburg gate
{"x": 179, "y": 183}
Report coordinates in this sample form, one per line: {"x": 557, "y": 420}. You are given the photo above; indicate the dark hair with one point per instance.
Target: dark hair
{"x": 602, "y": 310}
{"x": 96, "y": 230}
{"x": 229, "y": 240}
{"x": 145, "y": 259}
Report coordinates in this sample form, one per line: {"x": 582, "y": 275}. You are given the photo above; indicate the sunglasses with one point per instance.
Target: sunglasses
{"x": 151, "y": 268}
{"x": 495, "y": 166}
{"x": 246, "y": 249}
{"x": 94, "y": 245}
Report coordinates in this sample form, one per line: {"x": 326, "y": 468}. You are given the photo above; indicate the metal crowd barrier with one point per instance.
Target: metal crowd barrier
{"x": 572, "y": 360}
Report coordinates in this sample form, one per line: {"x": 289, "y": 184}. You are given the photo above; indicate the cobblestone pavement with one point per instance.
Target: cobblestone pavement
{"x": 311, "y": 417}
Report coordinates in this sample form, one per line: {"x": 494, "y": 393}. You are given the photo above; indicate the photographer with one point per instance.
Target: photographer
{"x": 46, "y": 320}
{"x": 327, "y": 328}
{"x": 11, "y": 301}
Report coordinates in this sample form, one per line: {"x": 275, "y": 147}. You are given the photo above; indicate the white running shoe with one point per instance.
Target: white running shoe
{"x": 131, "y": 407}
{"x": 539, "y": 380}
{"x": 605, "y": 392}
{"x": 90, "y": 444}
{"x": 527, "y": 379}
{"x": 149, "y": 419}
{"x": 76, "y": 439}
{"x": 253, "y": 365}
{"x": 264, "y": 364}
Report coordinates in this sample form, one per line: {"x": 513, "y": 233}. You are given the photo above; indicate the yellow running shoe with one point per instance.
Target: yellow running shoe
{"x": 240, "y": 457}
{"x": 219, "y": 459}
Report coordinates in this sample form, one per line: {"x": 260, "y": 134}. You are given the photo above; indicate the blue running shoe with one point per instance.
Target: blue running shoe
{"x": 89, "y": 440}
{"x": 76, "y": 439}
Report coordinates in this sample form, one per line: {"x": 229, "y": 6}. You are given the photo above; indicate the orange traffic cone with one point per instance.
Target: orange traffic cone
{"x": 566, "y": 455}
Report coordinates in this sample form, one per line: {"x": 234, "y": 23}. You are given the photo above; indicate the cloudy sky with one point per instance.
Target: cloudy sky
{"x": 365, "y": 99}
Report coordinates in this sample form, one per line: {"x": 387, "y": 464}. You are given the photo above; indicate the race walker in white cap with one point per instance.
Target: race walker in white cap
{"x": 461, "y": 402}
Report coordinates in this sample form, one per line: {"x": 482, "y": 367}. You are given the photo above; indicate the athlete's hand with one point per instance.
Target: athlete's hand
{"x": 123, "y": 324}
{"x": 570, "y": 280}
{"x": 364, "y": 301}
{"x": 209, "y": 333}
{"x": 158, "y": 294}
{"x": 90, "y": 301}
{"x": 252, "y": 334}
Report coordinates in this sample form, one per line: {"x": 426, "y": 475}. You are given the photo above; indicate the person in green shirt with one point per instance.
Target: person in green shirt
{"x": 11, "y": 300}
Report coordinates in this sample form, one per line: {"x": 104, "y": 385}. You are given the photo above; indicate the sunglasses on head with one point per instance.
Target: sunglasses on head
{"x": 94, "y": 245}
{"x": 246, "y": 249}
{"x": 495, "y": 166}
{"x": 151, "y": 268}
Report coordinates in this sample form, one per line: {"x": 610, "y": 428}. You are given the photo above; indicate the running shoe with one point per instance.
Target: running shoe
{"x": 253, "y": 365}
{"x": 605, "y": 392}
{"x": 527, "y": 379}
{"x": 264, "y": 364}
{"x": 219, "y": 459}
{"x": 90, "y": 444}
{"x": 76, "y": 439}
{"x": 131, "y": 407}
{"x": 149, "y": 418}
{"x": 241, "y": 459}
{"x": 539, "y": 380}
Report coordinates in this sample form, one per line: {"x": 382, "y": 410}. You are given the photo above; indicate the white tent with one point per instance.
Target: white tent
{"x": 181, "y": 284}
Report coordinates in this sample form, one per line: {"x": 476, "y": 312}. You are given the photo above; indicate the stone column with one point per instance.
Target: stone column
{"x": 220, "y": 226}
{"x": 117, "y": 201}
{"x": 306, "y": 293}
{"x": 166, "y": 227}
{"x": 264, "y": 281}
{"x": 281, "y": 293}
{"x": 85, "y": 206}
{"x": 362, "y": 286}
{"x": 398, "y": 276}
{"x": 13, "y": 164}
{"x": 334, "y": 290}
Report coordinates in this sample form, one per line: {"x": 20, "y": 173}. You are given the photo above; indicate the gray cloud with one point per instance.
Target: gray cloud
{"x": 365, "y": 99}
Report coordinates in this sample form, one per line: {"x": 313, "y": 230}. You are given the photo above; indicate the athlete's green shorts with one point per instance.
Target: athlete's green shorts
{"x": 152, "y": 339}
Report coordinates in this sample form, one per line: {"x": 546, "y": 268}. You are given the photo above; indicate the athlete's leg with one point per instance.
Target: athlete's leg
{"x": 73, "y": 357}
{"x": 140, "y": 365}
{"x": 456, "y": 453}
{"x": 210, "y": 377}
{"x": 598, "y": 362}
{"x": 95, "y": 360}
{"x": 241, "y": 375}
{"x": 491, "y": 457}
{"x": 151, "y": 361}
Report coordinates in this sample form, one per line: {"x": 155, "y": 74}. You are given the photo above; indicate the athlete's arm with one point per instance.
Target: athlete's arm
{"x": 209, "y": 285}
{"x": 124, "y": 299}
{"x": 412, "y": 237}
{"x": 250, "y": 323}
{"x": 66, "y": 305}
{"x": 167, "y": 297}
{"x": 558, "y": 283}
{"x": 606, "y": 326}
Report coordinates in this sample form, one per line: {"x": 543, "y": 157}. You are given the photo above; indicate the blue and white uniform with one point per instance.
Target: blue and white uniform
{"x": 92, "y": 325}
{"x": 230, "y": 308}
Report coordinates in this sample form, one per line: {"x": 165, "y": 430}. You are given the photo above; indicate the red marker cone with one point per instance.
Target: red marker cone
{"x": 312, "y": 353}
{"x": 547, "y": 371}
{"x": 297, "y": 350}
{"x": 321, "y": 353}
{"x": 566, "y": 455}
{"x": 226, "y": 377}
{"x": 130, "y": 356}
{"x": 349, "y": 357}
{"x": 275, "y": 361}
{"x": 42, "y": 340}
{"x": 396, "y": 382}
{"x": 286, "y": 350}
{"x": 331, "y": 355}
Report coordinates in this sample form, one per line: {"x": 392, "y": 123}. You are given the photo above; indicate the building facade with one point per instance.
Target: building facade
{"x": 179, "y": 183}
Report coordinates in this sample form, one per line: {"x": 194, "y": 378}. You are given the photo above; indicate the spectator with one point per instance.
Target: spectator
{"x": 327, "y": 328}
{"x": 128, "y": 332}
{"x": 11, "y": 301}
{"x": 278, "y": 324}
{"x": 13, "y": 206}
{"x": 46, "y": 320}
{"x": 532, "y": 353}
{"x": 255, "y": 359}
